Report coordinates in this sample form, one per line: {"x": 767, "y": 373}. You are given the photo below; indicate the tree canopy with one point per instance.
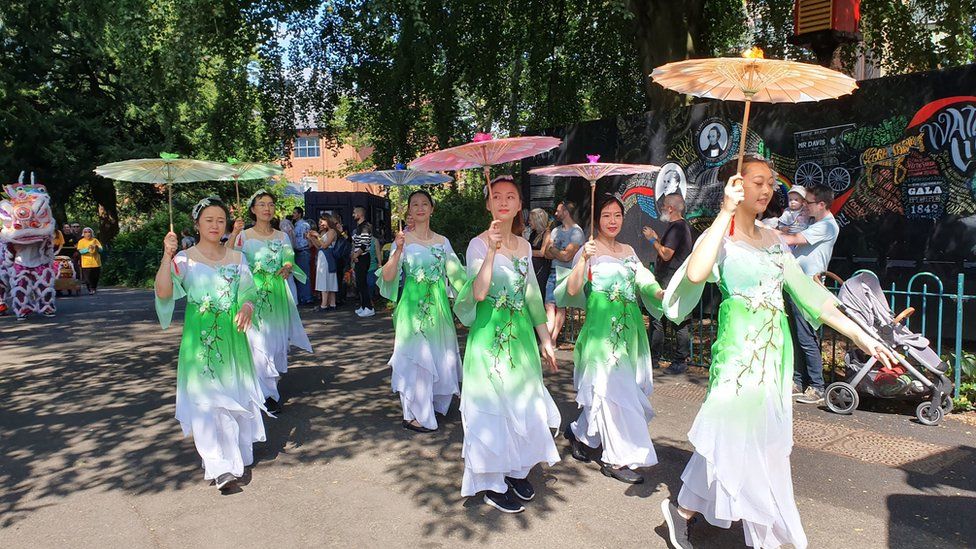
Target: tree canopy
{"x": 83, "y": 82}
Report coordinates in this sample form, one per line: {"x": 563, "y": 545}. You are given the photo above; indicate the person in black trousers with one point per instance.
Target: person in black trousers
{"x": 673, "y": 247}
{"x": 343, "y": 251}
{"x": 362, "y": 237}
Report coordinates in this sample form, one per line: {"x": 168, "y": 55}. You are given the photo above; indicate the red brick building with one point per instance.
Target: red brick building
{"x": 314, "y": 165}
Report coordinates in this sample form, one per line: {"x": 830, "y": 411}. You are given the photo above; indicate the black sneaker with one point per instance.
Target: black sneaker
{"x": 577, "y": 448}
{"x": 521, "y": 487}
{"x": 272, "y": 405}
{"x": 225, "y": 480}
{"x": 677, "y": 525}
{"x": 503, "y": 502}
{"x": 623, "y": 474}
{"x": 677, "y": 368}
{"x": 797, "y": 390}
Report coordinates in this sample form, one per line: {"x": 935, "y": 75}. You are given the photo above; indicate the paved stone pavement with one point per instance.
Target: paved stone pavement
{"x": 90, "y": 456}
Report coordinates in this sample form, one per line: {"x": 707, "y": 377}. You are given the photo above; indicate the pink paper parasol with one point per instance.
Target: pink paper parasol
{"x": 485, "y": 151}
{"x": 592, "y": 171}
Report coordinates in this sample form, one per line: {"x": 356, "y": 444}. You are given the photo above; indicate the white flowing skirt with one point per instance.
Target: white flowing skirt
{"x": 616, "y": 411}
{"x": 426, "y": 372}
{"x": 507, "y": 443}
{"x": 740, "y": 470}
{"x": 224, "y": 429}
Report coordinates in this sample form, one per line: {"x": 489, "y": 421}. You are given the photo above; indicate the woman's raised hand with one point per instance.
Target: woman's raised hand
{"x": 494, "y": 234}
{"x": 734, "y": 194}
{"x": 589, "y": 250}
{"x": 170, "y": 245}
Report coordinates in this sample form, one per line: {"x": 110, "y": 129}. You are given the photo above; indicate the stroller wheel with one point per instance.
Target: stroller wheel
{"x": 928, "y": 414}
{"x": 841, "y": 398}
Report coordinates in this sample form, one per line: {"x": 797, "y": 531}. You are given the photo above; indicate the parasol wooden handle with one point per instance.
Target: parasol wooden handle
{"x": 592, "y": 205}
{"x": 491, "y": 206}
{"x": 742, "y": 147}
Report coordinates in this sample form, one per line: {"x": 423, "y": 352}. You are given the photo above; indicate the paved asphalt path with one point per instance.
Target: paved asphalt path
{"x": 91, "y": 456}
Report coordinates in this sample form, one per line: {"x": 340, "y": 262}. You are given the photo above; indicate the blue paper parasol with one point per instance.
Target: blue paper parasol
{"x": 400, "y": 176}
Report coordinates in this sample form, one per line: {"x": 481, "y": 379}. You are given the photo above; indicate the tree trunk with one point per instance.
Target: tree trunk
{"x": 666, "y": 31}
{"x": 103, "y": 191}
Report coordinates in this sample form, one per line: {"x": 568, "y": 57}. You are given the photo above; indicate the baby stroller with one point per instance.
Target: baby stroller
{"x": 919, "y": 374}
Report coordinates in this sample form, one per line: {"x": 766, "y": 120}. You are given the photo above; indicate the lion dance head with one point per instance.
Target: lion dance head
{"x": 26, "y": 216}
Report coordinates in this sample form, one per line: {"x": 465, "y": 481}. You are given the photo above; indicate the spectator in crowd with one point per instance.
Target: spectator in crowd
{"x": 303, "y": 255}
{"x": 796, "y": 217}
{"x": 540, "y": 238}
{"x": 812, "y": 247}
{"x": 375, "y": 261}
{"x": 58, "y": 241}
{"x": 566, "y": 240}
{"x": 326, "y": 279}
{"x": 72, "y": 232}
{"x": 672, "y": 248}
{"x": 343, "y": 255}
{"x": 187, "y": 241}
{"x": 91, "y": 259}
{"x": 286, "y": 226}
{"x": 362, "y": 237}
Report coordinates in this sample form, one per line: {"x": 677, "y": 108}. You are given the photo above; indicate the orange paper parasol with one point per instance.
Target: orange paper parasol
{"x": 752, "y": 78}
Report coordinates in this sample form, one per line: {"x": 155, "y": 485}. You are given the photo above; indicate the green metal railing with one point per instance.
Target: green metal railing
{"x": 924, "y": 291}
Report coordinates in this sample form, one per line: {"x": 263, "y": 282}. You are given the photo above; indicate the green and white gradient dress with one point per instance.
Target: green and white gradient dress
{"x": 613, "y": 368}
{"x": 276, "y": 323}
{"x": 505, "y": 408}
{"x": 218, "y": 400}
{"x": 743, "y": 434}
{"x": 426, "y": 363}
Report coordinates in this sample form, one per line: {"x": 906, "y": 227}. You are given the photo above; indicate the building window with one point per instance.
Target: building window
{"x": 307, "y": 147}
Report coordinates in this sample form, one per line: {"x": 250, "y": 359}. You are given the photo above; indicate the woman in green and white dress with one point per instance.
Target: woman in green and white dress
{"x": 218, "y": 400}
{"x": 743, "y": 434}
{"x": 426, "y": 364}
{"x": 276, "y": 324}
{"x": 505, "y": 408}
{"x": 612, "y": 376}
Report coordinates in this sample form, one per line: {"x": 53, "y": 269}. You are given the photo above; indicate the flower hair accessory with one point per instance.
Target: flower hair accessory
{"x": 203, "y": 204}
{"x": 257, "y": 193}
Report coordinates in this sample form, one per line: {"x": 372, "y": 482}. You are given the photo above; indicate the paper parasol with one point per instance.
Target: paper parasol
{"x": 399, "y": 175}
{"x": 752, "y": 78}
{"x": 485, "y": 151}
{"x": 592, "y": 171}
{"x": 165, "y": 170}
{"x": 250, "y": 170}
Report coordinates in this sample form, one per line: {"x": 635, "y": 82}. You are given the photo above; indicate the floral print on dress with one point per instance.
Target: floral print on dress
{"x": 219, "y": 304}
{"x": 429, "y": 276}
{"x": 761, "y": 350}
{"x": 268, "y": 261}
{"x": 621, "y": 292}
{"x": 513, "y": 302}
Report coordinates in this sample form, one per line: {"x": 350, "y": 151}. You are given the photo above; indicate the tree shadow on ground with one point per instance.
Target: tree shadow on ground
{"x": 942, "y": 516}
{"x": 90, "y": 398}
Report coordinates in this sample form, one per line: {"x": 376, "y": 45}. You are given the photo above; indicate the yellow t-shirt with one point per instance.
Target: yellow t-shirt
{"x": 92, "y": 258}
